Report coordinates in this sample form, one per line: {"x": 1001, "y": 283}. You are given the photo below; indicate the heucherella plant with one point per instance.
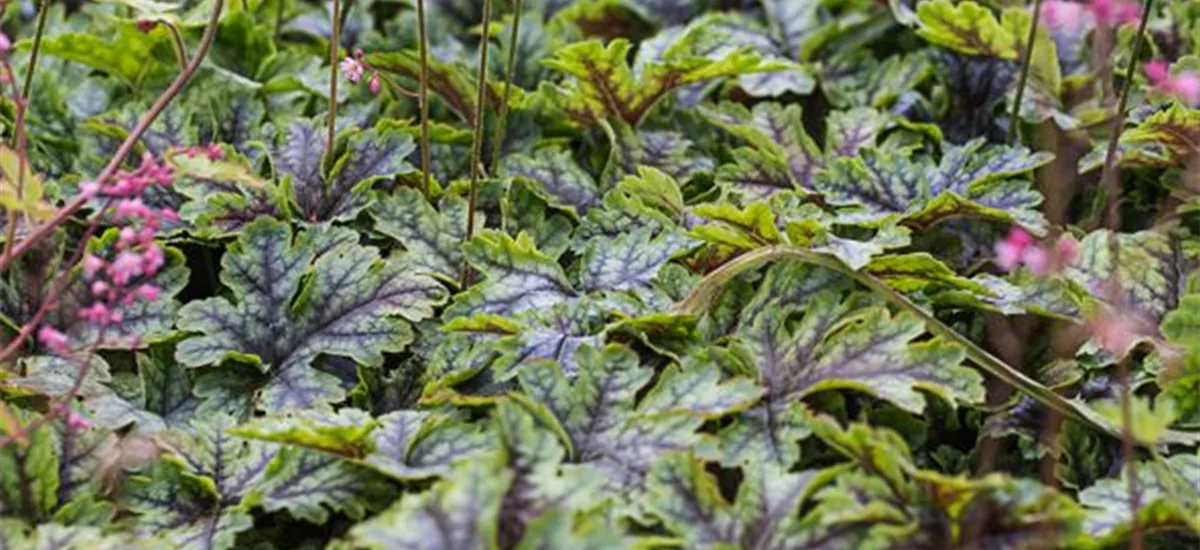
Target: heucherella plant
{"x": 614, "y": 274}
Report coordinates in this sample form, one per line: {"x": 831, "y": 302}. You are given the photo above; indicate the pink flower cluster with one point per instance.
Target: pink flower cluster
{"x": 1185, "y": 86}
{"x": 1019, "y": 248}
{"x": 1074, "y": 16}
{"x": 354, "y": 67}
{"x": 117, "y": 278}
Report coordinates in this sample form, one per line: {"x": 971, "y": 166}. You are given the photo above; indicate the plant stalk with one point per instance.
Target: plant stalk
{"x": 477, "y": 137}
{"x": 180, "y": 48}
{"x": 43, "y": 11}
{"x": 334, "y": 49}
{"x": 509, "y": 73}
{"x": 1112, "y": 191}
{"x": 1108, "y": 176}
{"x": 426, "y": 154}
{"x": 1026, "y": 61}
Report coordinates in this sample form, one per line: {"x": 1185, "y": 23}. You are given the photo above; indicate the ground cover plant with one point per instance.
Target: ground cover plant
{"x": 459, "y": 274}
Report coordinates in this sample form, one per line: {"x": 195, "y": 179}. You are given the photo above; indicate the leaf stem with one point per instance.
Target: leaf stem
{"x": 509, "y": 73}
{"x": 1112, "y": 191}
{"x": 1026, "y": 61}
{"x": 1108, "y": 177}
{"x": 708, "y": 288}
{"x": 334, "y": 48}
{"x": 69, "y": 209}
{"x": 477, "y": 135}
{"x": 43, "y": 11}
{"x": 426, "y": 162}
{"x": 177, "y": 41}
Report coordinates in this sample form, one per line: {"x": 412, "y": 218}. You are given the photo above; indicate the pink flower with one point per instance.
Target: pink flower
{"x": 76, "y": 421}
{"x": 1066, "y": 249}
{"x": 214, "y": 152}
{"x": 5, "y": 43}
{"x": 1185, "y": 86}
{"x": 100, "y": 288}
{"x": 96, "y": 313}
{"x": 373, "y": 85}
{"x": 169, "y": 214}
{"x": 1010, "y": 251}
{"x": 1038, "y": 260}
{"x": 1019, "y": 248}
{"x": 147, "y": 292}
{"x": 127, "y": 237}
{"x": 1114, "y": 13}
{"x": 126, "y": 267}
{"x": 1070, "y": 16}
{"x": 132, "y": 208}
{"x": 92, "y": 265}
{"x": 1117, "y": 331}
{"x": 353, "y": 69}
{"x": 152, "y": 259}
{"x": 53, "y": 339}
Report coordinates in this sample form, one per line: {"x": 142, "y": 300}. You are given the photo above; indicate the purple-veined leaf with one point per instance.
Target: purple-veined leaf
{"x": 351, "y": 305}
{"x": 557, "y": 178}
{"x": 1152, "y": 269}
{"x": 764, "y": 515}
{"x": 431, "y": 237}
{"x": 309, "y": 484}
{"x": 367, "y": 157}
{"x": 604, "y": 426}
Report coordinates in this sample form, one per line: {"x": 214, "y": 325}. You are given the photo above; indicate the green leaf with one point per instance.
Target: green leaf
{"x": 29, "y": 199}
{"x": 605, "y": 87}
{"x": 1148, "y": 421}
{"x": 838, "y": 345}
{"x": 296, "y": 297}
{"x": 182, "y": 510}
{"x": 721, "y": 34}
{"x": 1168, "y": 497}
{"x": 966, "y": 27}
{"x": 366, "y": 158}
{"x": 630, "y": 261}
{"x": 431, "y": 237}
{"x": 765, "y": 513}
{"x": 600, "y": 419}
{"x": 542, "y": 484}
{"x": 412, "y": 445}
{"x": 342, "y": 433}
{"x": 210, "y": 451}
{"x": 1152, "y": 269}
{"x": 557, "y": 178}
{"x": 755, "y": 175}
{"x": 309, "y": 485}
{"x": 517, "y": 277}
{"x": 29, "y": 487}
{"x": 1166, "y": 138}
{"x": 129, "y": 55}
{"x": 454, "y": 84}
{"x": 778, "y": 130}
{"x": 1179, "y": 375}
{"x": 457, "y": 513}
{"x": 669, "y": 152}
